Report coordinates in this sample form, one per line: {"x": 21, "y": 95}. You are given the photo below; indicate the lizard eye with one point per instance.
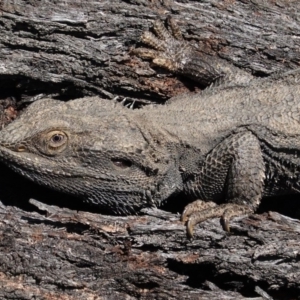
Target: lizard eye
{"x": 122, "y": 163}
{"x": 56, "y": 139}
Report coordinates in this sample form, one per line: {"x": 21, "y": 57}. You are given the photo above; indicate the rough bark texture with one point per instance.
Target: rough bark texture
{"x": 68, "y": 49}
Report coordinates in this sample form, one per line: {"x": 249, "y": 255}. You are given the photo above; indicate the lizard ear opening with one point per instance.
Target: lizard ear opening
{"x": 121, "y": 163}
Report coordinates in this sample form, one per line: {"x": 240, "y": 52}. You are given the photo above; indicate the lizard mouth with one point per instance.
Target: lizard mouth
{"x": 22, "y": 161}
{"x": 43, "y": 170}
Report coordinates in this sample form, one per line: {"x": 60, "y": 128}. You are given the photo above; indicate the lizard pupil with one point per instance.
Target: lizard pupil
{"x": 122, "y": 163}
{"x": 57, "y": 138}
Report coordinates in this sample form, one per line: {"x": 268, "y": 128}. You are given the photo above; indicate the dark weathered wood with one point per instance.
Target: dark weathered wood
{"x": 73, "y": 48}
{"x": 68, "y": 49}
{"x": 77, "y": 255}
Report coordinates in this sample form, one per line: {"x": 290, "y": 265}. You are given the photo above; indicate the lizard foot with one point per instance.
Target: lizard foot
{"x": 170, "y": 51}
{"x": 196, "y": 206}
{"x": 199, "y": 211}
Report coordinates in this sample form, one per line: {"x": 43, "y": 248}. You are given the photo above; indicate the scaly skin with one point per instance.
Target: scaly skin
{"x": 228, "y": 146}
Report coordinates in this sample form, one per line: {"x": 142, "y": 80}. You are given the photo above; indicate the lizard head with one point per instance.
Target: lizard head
{"x": 94, "y": 149}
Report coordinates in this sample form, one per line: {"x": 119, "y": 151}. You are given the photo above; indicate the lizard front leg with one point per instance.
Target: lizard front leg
{"x": 236, "y": 168}
{"x": 170, "y": 51}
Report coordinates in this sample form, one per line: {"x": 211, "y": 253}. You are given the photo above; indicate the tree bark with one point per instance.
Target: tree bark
{"x": 69, "y": 49}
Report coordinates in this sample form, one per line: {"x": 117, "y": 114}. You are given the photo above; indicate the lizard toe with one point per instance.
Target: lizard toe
{"x": 196, "y": 206}
{"x": 224, "y": 211}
